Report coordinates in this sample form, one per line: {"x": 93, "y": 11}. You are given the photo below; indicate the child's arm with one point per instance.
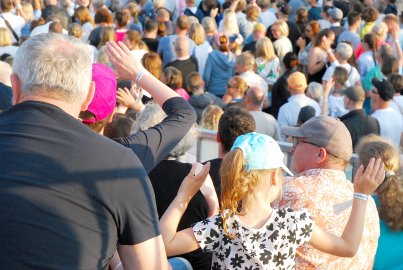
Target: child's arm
{"x": 183, "y": 241}
{"x": 210, "y": 195}
{"x": 347, "y": 245}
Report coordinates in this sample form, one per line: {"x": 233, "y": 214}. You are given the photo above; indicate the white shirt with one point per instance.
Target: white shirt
{"x": 16, "y": 22}
{"x": 397, "y": 104}
{"x": 43, "y": 29}
{"x": 267, "y": 18}
{"x": 336, "y": 106}
{"x": 288, "y": 113}
{"x": 391, "y": 123}
{"x": 266, "y": 124}
{"x": 365, "y": 62}
{"x": 254, "y": 80}
{"x": 353, "y": 75}
{"x": 11, "y": 50}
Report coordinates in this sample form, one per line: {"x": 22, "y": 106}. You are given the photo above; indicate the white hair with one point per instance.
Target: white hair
{"x": 55, "y": 66}
{"x": 152, "y": 115}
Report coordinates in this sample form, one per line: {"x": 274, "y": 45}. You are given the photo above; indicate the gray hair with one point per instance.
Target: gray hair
{"x": 152, "y": 115}
{"x": 55, "y": 66}
{"x": 315, "y": 91}
{"x": 344, "y": 50}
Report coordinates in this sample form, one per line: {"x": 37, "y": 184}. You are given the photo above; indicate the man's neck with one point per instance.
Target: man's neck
{"x": 150, "y": 35}
{"x": 68, "y": 107}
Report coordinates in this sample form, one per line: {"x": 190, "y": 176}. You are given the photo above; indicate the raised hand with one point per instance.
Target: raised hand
{"x": 366, "y": 182}
{"x": 193, "y": 181}
{"x": 127, "y": 66}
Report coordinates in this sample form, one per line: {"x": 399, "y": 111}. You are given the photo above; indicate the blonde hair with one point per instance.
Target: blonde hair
{"x": 265, "y": 49}
{"x": 75, "y": 30}
{"x": 5, "y": 37}
{"x": 239, "y": 84}
{"x": 197, "y": 34}
{"x": 390, "y": 192}
{"x": 282, "y": 27}
{"x": 236, "y": 185}
{"x": 107, "y": 34}
{"x": 252, "y": 13}
{"x": 83, "y": 15}
{"x": 210, "y": 117}
{"x": 230, "y": 23}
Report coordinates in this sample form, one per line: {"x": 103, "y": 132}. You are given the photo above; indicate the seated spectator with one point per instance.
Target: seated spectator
{"x": 367, "y": 59}
{"x": 288, "y": 114}
{"x": 184, "y": 62}
{"x": 388, "y": 198}
{"x": 344, "y": 52}
{"x": 220, "y": 67}
{"x": 267, "y": 62}
{"x": 381, "y": 98}
{"x": 280, "y": 91}
{"x": 150, "y": 35}
{"x": 200, "y": 99}
{"x": 84, "y": 17}
{"x": 357, "y": 122}
{"x": 315, "y": 91}
{"x": 236, "y": 89}
{"x": 322, "y": 150}
{"x": 246, "y": 175}
{"x": 245, "y": 67}
{"x": 247, "y": 24}
{"x": 202, "y": 48}
{"x": 133, "y": 41}
{"x": 259, "y": 31}
{"x": 167, "y": 176}
{"x": 397, "y": 81}
{"x": 351, "y": 34}
{"x": 192, "y": 10}
{"x": 265, "y": 123}
{"x": 210, "y": 117}
{"x": 306, "y": 113}
{"x": 333, "y": 104}
{"x": 102, "y": 18}
{"x": 369, "y": 16}
{"x": 172, "y": 77}
{"x": 282, "y": 45}
{"x": 210, "y": 27}
{"x": 166, "y": 46}
{"x": 121, "y": 126}
{"x": 121, "y": 21}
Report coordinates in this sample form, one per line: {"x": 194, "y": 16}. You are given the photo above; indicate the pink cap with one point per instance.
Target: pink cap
{"x": 103, "y": 103}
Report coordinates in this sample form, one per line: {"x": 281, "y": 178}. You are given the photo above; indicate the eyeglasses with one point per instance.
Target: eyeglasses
{"x": 296, "y": 141}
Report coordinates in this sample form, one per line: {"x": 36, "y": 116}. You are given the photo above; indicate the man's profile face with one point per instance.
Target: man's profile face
{"x": 303, "y": 156}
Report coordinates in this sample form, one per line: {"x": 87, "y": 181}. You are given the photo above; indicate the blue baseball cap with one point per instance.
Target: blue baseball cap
{"x": 261, "y": 152}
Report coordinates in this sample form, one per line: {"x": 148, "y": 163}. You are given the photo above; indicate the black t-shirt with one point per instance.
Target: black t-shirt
{"x": 166, "y": 179}
{"x": 185, "y": 66}
{"x": 68, "y": 195}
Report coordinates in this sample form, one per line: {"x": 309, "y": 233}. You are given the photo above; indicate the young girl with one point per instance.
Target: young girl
{"x": 249, "y": 233}
{"x": 390, "y": 201}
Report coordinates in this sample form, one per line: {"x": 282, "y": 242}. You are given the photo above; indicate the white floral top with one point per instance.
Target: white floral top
{"x": 272, "y": 246}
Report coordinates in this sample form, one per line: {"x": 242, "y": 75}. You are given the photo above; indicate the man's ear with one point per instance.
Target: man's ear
{"x": 16, "y": 87}
{"x": 322, "y": 155}
{"x": 90, "y": 96}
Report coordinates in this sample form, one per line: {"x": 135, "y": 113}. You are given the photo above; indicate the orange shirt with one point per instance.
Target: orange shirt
{"x": 327, "y": 194}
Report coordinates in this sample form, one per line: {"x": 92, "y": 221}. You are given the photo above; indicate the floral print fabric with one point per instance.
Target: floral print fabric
{"x": 272, "y": 246}
{"x": 328, "y": 196}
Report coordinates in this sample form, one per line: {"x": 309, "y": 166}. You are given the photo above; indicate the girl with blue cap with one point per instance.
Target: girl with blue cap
{"x": 249, "y": 233}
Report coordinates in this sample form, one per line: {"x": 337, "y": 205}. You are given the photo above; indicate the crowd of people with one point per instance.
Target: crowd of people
{"x": 100, "y": 101}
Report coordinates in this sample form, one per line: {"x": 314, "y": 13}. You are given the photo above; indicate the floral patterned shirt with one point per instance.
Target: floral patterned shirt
{"x": 272, "y": 246}
{"x": 328, "y": 196}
